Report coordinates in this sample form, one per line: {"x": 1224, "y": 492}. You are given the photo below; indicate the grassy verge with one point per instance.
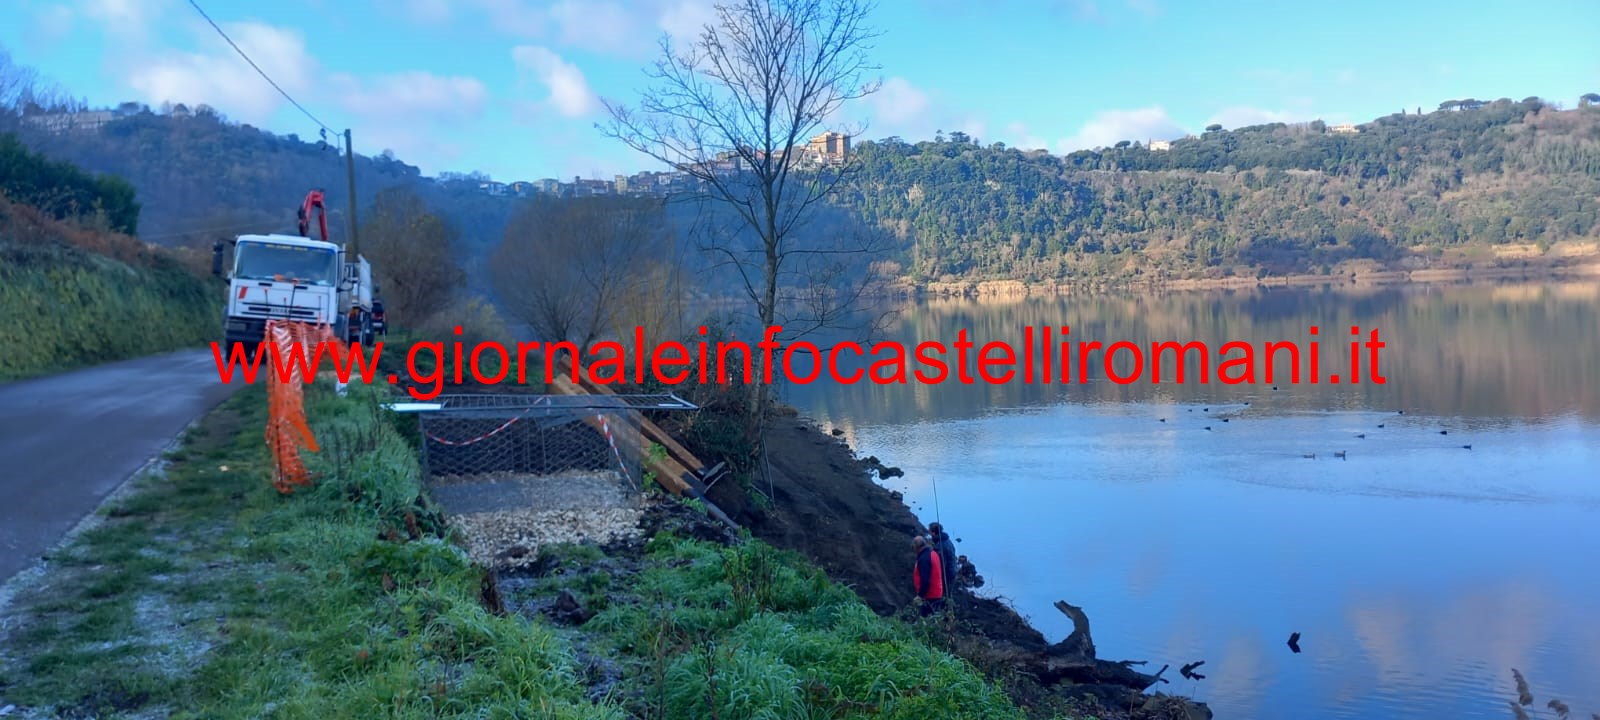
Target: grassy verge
{"x": 204, "y": 593}
{"x": 748, "y": 631}
{"x": 72, "y": 296}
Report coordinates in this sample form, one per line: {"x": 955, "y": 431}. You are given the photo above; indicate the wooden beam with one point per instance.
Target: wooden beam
{"x": 649, "y": 428}
{"x": 668, "y": 471}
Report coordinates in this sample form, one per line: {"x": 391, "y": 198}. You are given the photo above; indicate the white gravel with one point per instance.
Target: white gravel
{"x": 506, "y": 519}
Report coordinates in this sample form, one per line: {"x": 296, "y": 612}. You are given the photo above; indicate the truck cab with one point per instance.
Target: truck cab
{"x": 284, "y": 277}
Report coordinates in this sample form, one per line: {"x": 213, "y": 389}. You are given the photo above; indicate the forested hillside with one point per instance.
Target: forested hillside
{"x": 1266, "y": 199}
{"x": 1275, "y": 198}
{"x": 200, "y": 177}
{"x": 74, "y": 289}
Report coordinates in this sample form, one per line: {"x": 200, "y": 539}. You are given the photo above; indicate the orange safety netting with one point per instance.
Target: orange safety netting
{"x": 287, "y": 430}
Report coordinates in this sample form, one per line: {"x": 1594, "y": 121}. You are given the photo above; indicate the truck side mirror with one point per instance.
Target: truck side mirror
{"x": 216, "y": 258}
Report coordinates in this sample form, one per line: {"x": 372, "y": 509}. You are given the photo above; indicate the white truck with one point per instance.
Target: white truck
{"x": 295, "y": 278}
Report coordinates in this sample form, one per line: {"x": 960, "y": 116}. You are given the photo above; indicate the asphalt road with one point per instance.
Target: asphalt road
{"x": 67, "y": 441}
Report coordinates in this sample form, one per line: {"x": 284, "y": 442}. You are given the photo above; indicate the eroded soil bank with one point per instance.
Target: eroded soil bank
{"x": 826, "y": 506}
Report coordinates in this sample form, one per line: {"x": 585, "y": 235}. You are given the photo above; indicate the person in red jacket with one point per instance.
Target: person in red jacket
{"x": 928, "y": 576}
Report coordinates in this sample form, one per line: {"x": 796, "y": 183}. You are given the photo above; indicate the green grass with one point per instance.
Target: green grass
{"x": 62, "y": 308}
{"x": 205, "y": 593}
{"x": 753, "y": 632}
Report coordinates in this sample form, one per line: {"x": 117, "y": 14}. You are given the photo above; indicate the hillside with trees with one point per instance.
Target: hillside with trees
{"x": 75, "y": 289}
{"x": 1275, "y": 198}
{"x": 1405, "y": 190}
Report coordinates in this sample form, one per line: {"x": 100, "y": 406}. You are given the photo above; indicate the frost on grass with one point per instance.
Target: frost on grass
{"x": 103, "y": 623}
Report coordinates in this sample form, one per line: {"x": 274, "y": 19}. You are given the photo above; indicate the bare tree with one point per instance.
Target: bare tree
{"x": 734, "y": 111}
{"x": 584, "y": 269}
{"x": 412, "y": 254}
{"x": 24, "y": 92}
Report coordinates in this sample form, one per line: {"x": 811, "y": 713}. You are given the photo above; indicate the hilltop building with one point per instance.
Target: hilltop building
{"x": 59, "y": 123}
{"x": 830, "y": 149}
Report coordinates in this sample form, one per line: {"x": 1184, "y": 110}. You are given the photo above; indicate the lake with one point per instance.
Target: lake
{"x": 1418, "y": 572}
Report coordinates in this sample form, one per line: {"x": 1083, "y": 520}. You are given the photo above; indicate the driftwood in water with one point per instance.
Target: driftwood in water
{"x": 1079, "y": 642}
{"x": 1072, "y": 660}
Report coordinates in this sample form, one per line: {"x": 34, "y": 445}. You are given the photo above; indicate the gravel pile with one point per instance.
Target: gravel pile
{"x": 505, "y": 519}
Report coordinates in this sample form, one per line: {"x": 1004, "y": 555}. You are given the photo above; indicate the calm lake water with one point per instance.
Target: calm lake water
{"x": 1418, "y": 572}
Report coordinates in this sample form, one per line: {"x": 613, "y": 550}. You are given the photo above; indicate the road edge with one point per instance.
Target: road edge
{"x": 155, "y": 466}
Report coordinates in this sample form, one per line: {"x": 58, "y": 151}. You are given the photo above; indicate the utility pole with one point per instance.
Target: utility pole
{"x": 350, "y": 171}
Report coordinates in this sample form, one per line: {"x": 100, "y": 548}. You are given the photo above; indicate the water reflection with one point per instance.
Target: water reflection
{"x": 1418, "y": 571}
{"x": 1527, "y": 351}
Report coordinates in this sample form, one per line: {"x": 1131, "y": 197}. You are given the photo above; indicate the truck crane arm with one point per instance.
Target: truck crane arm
{"x": 313, "y": 202}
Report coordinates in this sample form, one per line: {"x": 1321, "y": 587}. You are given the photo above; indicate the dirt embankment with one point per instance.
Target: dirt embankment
{"x": 826, "y": 506}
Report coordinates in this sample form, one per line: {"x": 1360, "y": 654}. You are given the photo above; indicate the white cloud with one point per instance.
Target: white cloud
{"x": 1108, "y": 127}
{"x": 1245, "y": 116}
{"x": 220, "y": 78}
{"x": 569, "y": 91}
{"x": 428, "y": 12}
{"x": 898, "y": 102}
{"x": 1089, "y": 10}
{"x": 124, "y": 15}
{"x": 1018, "y": 135}
{"x": 973, "y": 127}
{"x": 54, "y": 22}
{"x": 684, "y": 19}
{"x": 1147, "y": 8}
{"x": 600, "y": 26}
{"x": 515, "y": 17}
{"x": 425, "y": 147}
{"x": 412, "y": 94}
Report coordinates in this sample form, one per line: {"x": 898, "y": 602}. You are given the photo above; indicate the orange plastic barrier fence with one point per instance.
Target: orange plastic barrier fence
{"x": 287, "y": 430}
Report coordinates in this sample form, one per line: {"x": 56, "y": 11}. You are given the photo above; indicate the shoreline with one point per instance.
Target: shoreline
{"x": 826, "y": 506}
{"x": 1361, "y": 277}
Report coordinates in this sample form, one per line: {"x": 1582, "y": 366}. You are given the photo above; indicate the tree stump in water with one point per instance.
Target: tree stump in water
{"x": 1079, "y": 643}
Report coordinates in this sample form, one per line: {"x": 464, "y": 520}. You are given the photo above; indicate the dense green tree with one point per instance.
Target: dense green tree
{"x": 64, "y": 191}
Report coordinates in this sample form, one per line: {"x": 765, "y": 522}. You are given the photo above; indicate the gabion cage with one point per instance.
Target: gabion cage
{"x": 518, "y": 472}
{"x": 486, "y": 437}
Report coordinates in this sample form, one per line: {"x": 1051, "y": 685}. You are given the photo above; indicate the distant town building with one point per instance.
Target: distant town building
{"x": 1160, "y": 145}
{"x": 522, "y": 188}
{"x": 1344, "y": 129}
{"x": 591, "y": 188}
{"x": 493, "y": 188}
{"x": 59, "y": 123}
{"x": 830, "y": 149}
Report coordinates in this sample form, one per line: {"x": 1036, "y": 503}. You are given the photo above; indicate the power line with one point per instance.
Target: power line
{"x": 258, "y": 69}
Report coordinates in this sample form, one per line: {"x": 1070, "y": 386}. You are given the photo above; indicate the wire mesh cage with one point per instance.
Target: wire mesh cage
{"x": 520, "y": 471}
{"x": 472, "y": 437}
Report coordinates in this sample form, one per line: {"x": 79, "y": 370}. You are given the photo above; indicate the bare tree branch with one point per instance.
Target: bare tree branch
{"x": 734, "y": 111}
{"x": 586, "y": 269}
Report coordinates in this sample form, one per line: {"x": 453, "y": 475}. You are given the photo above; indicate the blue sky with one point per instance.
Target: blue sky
{"x": 512, "y": 87}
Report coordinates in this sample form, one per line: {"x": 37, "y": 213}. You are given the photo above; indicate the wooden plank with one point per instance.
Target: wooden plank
{"x": 668, "y": 471}
{"x": 651, "y": 430}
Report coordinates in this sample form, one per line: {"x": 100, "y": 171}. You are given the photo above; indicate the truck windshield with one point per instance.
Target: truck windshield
{"x": 274, "y": 261}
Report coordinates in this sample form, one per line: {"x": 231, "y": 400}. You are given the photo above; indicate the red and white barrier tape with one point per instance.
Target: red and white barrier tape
{"x": 606, "y": 426}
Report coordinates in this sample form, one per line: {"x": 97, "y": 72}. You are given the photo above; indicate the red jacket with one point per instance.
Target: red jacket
{"x": 928, "y": 577}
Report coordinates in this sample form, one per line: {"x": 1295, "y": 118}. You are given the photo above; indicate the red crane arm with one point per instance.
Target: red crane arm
{"x": 313, "y": 201}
